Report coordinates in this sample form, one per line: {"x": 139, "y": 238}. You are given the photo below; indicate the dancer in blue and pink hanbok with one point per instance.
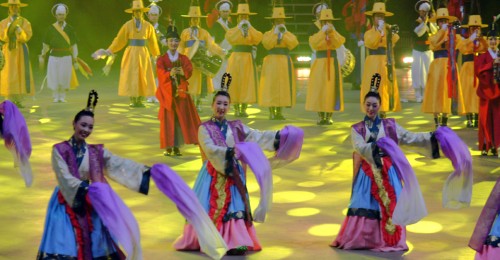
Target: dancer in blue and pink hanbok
{"x": 228, "y": 147}
{"x": 385, "y": 193}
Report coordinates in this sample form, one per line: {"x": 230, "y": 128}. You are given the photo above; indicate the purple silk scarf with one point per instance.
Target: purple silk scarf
{"x": 251, "y": 154}
{"x": 117, "y": 218}
{"x": 17, "y": 139}
{"x": 486, "y": 219}
{"x": 168, "y": 182}
{"x": 410, "y": 207}
{"x": 291, "y": 141}
{"x": 457, "y": 190}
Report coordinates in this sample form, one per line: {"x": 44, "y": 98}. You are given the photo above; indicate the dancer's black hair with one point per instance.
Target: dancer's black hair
{"x": 89, "y": 110}
{"x": 374, "y": 85}
{"x": 224, "y": 88}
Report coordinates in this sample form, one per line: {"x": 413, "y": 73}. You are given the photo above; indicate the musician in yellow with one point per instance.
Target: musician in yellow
{"x": 16, "y": 78}
{"x": 60, "y": 44}
{"x": 277, "y": 81}
{"x": 241, "y": 64}
{"x": 139, "y": 37}
{"x": 199, "y": 84}
{"x": 324, "y": 88}
{"x": 437, "y": 100}
{"x": 375, "y": 39}
{"x": 469, "y": 48}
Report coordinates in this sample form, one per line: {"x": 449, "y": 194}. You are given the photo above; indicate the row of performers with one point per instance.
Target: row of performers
{"x": 277, "y": 84}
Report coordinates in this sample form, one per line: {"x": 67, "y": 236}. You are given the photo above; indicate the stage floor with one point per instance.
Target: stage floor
{"x": 310, "y": 195}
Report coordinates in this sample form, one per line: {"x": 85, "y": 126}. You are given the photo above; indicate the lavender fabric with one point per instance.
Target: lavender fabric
{"x": 251, "y": 154}
{"x": 291, "y": 140}
{"x": 457, "y": 190}
{"x": 117, "y": 218}
{"x": 486, "y": 219}
{"x": 168, "y": 182}
{"x": 17, "y": 139}
{"x": 410, "y": 206}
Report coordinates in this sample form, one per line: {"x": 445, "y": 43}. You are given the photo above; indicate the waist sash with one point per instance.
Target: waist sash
{"x": 441, "y": 54}
{"x": 323, "y": 54}
{"x": 279, "y": 51}
{"x": 137, "y": 42}
{"x": 379, "y": 51}
{"x": 191, "y": 42}
{"x": 242, "y": 48}
{"x": 467, "y": 57}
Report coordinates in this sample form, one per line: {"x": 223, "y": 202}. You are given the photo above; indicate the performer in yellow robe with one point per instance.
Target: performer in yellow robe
{"x": 277, "y": 81}
{"x": 324, "y": 88}
{"x": 16, "y": 78}
{"x": 436, "y": 95}
{"x": 137, "y": 79}
{"x": 241, "y": 65}
{"x": 469, "y": 48}
{"x": 376, "y": 41}
{"x": 188, "y": 38}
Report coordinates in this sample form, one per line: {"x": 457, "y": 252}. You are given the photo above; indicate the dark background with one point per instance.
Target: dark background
{"x": 98, "y": 21}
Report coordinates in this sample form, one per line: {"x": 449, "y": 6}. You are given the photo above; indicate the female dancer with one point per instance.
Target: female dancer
{"x": 380, "y": 207}
{"x": 221, "y": 183}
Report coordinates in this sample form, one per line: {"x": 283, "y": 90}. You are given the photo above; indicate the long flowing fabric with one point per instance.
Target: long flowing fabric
{"x": 251, "y": 154}
{"x": 168, "y": 182}
{"x": 486, "y": 219}
{"x": 291, "y": 140}
{"x": 17, "y": 139}
{"x": 410, "y": 207}
{"x": 457, "y": 190}
{"x": 117, "y": 218}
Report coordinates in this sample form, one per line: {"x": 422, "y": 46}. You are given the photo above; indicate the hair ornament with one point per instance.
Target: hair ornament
{"x": 224, "y": 86}
{"x": 375, "y": 83}
{"x": 92, "y": 101}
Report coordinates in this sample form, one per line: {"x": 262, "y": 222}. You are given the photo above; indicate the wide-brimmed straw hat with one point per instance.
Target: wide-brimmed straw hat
{"x": 194, "y": 12}
{"x": 221, "y": 2}
{"x": 137, "y": 5}
{"x": 243, "y": 9}
{"x": 327, "y": 15}
{"x": 475, "y": 20}
{"x": 379, "y": 8}
{"x": 278, "y": 13}
{"x": 442, "y": 13}
{"x": 13, "y": 2}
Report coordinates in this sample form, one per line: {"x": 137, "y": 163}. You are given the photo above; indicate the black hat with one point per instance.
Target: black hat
{"x": 172, "y": 32}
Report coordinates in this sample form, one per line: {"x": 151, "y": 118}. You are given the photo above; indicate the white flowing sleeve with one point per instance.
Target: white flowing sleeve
{"x": 420, "y": 29}
{"x": 68, "y": 184}
{"x": 265, "y": 139}
{"x": 406, "y": 137}
{"x": 361, "y": 146}
{"x": 124, "y": 171}
{"x": 214, "y": 153}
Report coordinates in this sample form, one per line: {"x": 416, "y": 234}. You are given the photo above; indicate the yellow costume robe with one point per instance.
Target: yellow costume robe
{"x": 136, "y": 75}
{"x": 16, "y": 77}
{"x": 468, "y": 80}
{"x": 241, "y": 65}
{"x": 324, "y": 88}
{"x": 376, "y": 62}
{"x": 195, "y": 82}
{"x": 277, "y": 79}
{"x": 436, "y": 98}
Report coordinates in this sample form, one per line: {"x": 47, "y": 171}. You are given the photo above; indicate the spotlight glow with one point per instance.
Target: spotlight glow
{"x": 324, "y": 230}
{"x": 302, "y": 212}
{"x": 407, "y": 60}
{"x": 303, "y": 59}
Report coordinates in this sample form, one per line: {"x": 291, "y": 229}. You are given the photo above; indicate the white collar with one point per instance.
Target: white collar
{"x": 223, "y": 22}
{"x": 173, "y": 57}
{"x": 493, "y": 53}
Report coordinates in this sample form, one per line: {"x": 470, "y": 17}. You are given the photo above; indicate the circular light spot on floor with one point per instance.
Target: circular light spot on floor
{"x": 116, "y": 109}
{"x": 302, "y": 212}
{"x": 292, "y": 196}
{"x": 425, "y": 227}
{"x": 324, "y": 230}
{"x": 310, "y": 184}
{"x": 418, "y": 122}
{"x": 275, "y": 252}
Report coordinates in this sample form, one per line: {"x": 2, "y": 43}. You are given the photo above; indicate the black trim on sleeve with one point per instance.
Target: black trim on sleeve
{"x": 144, "y": 188}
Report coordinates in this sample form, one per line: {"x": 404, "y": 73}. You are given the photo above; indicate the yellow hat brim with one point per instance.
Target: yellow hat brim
{"x": 385, "y": 13}
{"x": 131, "y": 10}
{"x": 450, "y": 18}
{"x": 7, "y": 4}
{"x": 472, "y": 25}
{"x": 286, "y": 17}
{"x": 244, "y": 13}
